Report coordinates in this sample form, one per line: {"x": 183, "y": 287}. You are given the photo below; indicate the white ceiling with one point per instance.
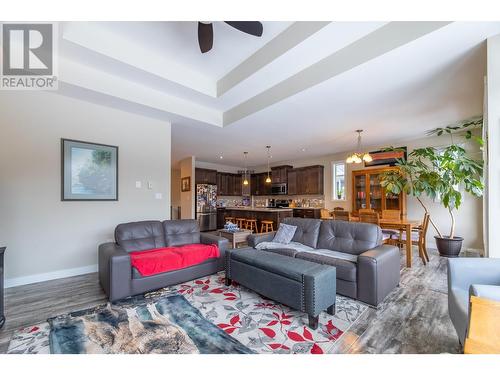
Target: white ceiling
{"x": 302, "y": 85}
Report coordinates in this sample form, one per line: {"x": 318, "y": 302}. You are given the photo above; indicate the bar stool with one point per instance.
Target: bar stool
{"x": 241, "y": 222}
{"x": 229, "y": 218}
{"x": 266, "y": 226}
{"x": 251, "y": 224}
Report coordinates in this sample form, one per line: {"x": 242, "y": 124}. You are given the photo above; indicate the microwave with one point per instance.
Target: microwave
{"x": 278, "y": 189}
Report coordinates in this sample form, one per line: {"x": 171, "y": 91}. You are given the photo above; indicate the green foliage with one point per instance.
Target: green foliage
{"x": 439, "y": 173}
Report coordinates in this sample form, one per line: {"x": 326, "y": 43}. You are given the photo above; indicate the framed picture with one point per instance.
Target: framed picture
{"x": 386, "y": 157}
{"x": 186, "y": 184}
{"x": 89, "y": 171}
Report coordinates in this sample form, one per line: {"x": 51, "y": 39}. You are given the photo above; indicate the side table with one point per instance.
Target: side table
{"x": 235, "y": 237}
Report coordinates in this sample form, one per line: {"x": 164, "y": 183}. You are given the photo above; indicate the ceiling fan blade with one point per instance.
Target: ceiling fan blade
{"x": 250, "y": 27}
{"x": 205, "y": 36}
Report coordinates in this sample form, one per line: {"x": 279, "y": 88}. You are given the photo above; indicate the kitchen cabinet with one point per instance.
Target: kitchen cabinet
{"x": 292, "y": 182}
{"x": 259, "y": 186}
{"x": 205, "y": 176}
{"x": 368, "y": 193}
{"x": 229, "y": 184}
{"x": 306, "y": 180}
{"x": 279, "y": 175}
{"x": 309, "y": 213}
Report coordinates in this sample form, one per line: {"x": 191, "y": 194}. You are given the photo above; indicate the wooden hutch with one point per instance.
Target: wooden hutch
{"x": 368, "y": 193}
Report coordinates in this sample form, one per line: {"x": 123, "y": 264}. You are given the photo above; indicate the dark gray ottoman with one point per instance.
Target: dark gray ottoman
{"x": 302, "y": 285}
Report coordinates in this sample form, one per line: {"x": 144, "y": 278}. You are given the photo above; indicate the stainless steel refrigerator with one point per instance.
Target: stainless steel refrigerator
{"x": 206, "y": 206}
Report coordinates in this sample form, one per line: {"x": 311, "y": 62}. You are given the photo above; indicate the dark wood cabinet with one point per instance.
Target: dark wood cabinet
{"x": 205, "y": 176}
{"x": 280, "y": 174}
{"x": 306, "y": 180}
{"x": 259, "y": 186}
{"x": 229, "y": 184}
{"x": 309, "y": 213}
{"x": 221, "y": 213}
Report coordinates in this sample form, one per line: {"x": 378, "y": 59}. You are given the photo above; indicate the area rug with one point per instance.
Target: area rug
{"x": 258, "y": 324}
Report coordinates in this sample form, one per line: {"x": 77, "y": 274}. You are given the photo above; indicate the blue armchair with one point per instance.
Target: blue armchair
{"x": 470, "y": 276}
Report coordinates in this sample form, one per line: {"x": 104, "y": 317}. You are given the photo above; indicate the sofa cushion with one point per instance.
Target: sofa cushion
{"x": 285, "y": 233}
{"x": 307, "y": 230}
{"x": 346, "y": 270}
{"x": 181, "y": 232}
{"x": 141, "y": 235}
{"x": 349, "y": 237}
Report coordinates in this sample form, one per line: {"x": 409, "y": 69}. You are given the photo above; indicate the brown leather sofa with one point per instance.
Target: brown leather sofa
{"x": 119, "y": 279}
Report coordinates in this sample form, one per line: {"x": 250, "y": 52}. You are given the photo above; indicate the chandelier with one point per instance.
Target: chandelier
{"x": 358, "y": 156}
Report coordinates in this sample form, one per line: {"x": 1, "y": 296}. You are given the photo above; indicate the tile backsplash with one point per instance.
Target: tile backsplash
{"x": 233, "y": 201}
{"x": 295, "y": 201}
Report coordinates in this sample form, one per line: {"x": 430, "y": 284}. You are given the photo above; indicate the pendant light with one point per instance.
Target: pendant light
{"x": 268, "y": 179}
{"x": 245, "y": 179}
{"x": 357, "y": 157}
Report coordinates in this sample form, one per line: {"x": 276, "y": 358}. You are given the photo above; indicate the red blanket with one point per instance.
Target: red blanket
{"x": 151, "y": 262}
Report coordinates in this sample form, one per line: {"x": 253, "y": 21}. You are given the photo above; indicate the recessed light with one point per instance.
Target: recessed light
{"x": 303, "y": 149}
{"x": 221, "y": 156}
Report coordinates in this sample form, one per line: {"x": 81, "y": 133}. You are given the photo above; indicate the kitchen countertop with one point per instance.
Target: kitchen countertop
{"x": 306, "y": 208}
{"x": 258, "y": 209}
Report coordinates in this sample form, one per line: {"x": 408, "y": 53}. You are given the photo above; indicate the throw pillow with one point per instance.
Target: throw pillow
{"x": 285, "y": 233}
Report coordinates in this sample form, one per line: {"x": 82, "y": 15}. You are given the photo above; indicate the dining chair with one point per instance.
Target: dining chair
{"x": 342, "y": 215}
{"x": 374, "y": 218}
{"x": 419, "y": 239}
{"x": 365, "y": 211}
{"x": 338, "y": 208}
{"x": 325, "y": 214}
{"x": 392, "y": 215}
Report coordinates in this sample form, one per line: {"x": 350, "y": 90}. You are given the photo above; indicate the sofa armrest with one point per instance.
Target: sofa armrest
{"x": 221, "y": 242}
{"x": 463, "y": 272}
{"x": 254, "y": 239}
{"x": 491, "y": 292}
{"x": 115, "y": 271}
{"x": 378, "y": 273}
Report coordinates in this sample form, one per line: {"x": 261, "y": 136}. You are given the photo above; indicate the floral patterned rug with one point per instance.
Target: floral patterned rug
{"x": 258, "y": 323}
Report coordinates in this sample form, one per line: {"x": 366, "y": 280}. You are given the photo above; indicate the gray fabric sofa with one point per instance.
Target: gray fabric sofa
{"x": 367, "y": 270}
{"x": 470, "y": 276}
{"x": 119, "y": 279}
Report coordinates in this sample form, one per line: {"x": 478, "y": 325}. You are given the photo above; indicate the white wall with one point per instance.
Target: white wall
{"x": 187, "y": 197}
{"x": 469, "y": 218}
{"x": 45, "y": 237}
{"x": 493, "y": 167}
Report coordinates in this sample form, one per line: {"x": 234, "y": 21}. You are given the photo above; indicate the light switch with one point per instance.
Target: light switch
{"x": 150, "y": 185}
{"x": 138, "y": 184}
{"x": 158, "y": 196}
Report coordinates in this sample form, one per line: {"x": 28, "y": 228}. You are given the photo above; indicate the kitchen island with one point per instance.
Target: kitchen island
{"x": 260, "y": 213}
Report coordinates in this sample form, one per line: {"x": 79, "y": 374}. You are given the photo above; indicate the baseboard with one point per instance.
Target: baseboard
{"x": 24, "y": 280}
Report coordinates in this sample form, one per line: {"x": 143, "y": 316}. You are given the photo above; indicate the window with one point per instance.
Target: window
{"x": 338, "y": 173}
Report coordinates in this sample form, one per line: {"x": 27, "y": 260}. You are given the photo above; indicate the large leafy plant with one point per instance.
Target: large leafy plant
{"x": 442, "y": 174}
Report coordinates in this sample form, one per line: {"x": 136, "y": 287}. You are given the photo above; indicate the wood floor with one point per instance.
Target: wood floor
{"x": 412, "y": 319}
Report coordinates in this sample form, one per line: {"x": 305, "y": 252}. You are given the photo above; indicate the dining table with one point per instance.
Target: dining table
{"x": 402, "y": 225}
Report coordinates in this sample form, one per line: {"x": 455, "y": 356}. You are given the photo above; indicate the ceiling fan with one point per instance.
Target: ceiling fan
{"x": 206, "y": 32}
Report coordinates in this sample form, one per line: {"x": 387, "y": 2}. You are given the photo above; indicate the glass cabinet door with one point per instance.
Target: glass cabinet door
{"x": 360, "y": 191}
{"x": 375, "y": 193}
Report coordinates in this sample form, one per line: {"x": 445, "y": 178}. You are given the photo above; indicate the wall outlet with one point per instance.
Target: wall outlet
{"x": 138, "y": 184}
{"x": 158, "y": 196}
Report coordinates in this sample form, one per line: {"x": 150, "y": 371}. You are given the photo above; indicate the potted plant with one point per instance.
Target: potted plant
{"x": 443, "y": 175}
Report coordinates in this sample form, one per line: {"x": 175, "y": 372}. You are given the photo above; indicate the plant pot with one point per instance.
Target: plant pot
{"x": 449, "y": 247}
